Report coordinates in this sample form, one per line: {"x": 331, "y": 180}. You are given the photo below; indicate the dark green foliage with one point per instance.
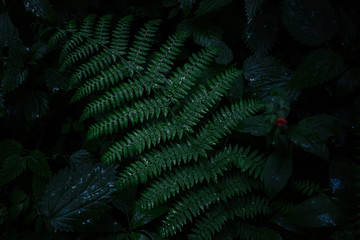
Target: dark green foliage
{"x": 213, "y": 119}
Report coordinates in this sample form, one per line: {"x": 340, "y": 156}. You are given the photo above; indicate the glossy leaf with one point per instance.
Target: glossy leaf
{"x": 277, "y": 170}
{"x": 75, "y": 195}
{"x": 264, "y": 74}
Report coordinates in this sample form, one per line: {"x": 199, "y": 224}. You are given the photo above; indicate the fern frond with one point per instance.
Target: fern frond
{"x": 141, "y": 46}
{"x": 182, "y": 179}
{"x": 198, "y": 201}
{"x": 178, "y": 85}
{"x": 100, "y": 38}
{"x": 55, "y": 38}
{"x": 108, "y": 56}
{"x": 214, "y": 220}
{"x": 105, "y": 79}
{"x": 77, "y": 38}
{"x": 193, "y": 111}
{"x": 154, "y": 163}
{"x": 251, "y": 162}
{"x": 141, "y": 170}
{"x": 307, "y": 187}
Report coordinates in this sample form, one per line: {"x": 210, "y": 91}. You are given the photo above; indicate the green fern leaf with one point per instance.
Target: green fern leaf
{"x": 74, "y": 196}
{"x": 139, "y": 50}
{"x": 318, "y": 67}
{"x": 77, "y": 38}
{"x": 154, "y": 163}
{"x": 214, "y": 220}
{"x": 182, "y": 179}
{"x": 307, "y": 187}
{"x": 99, "y": 62}
{"x": 310, "y": 21}
{"x": 151, "y": 135}
{"x": 12, "y": 167}
{"x": 252, "y": 7}
{"x": 199, "y": 200}
{"x": 208, "y": 6}
{"x": 37, "y": 163}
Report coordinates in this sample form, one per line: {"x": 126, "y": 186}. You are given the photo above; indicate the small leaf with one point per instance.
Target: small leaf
{"x": 186, "y": 6}
{"x": 310, "y": 21}
{"x": 74, "y": 195}
{"x": 277, "y": 170}
{"x": 17, "y": 196}
{"x": 225, "y": 56}
{"x": 15, "y": 210}
{"x": 252, "y": 7}
{"x": 12, "y": 168}
{"x": 9, "y": 147}
{"x": 38, "y": 164}
{"x": 320, "y": 211}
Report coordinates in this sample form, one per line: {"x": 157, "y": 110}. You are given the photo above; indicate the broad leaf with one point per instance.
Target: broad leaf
{"x": 310, "y": 134}
{"x": 310, "y": 21}
{"x": 75, "y": 195}
{"x": 264, "y": 74}
{"x": 277, "y": 170}
{"x": 261, "y": 33}
{"x": 320, "y": 211}
{"x": 8, "y": 31}
{"x": 12, "y": 167}
{"x": 9, "y": 147}
{"x": 38, "y": 164}
{"x": 318, "y": 67}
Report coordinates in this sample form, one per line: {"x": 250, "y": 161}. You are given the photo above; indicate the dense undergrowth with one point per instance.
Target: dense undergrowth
{"x": 182, "y": 119}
